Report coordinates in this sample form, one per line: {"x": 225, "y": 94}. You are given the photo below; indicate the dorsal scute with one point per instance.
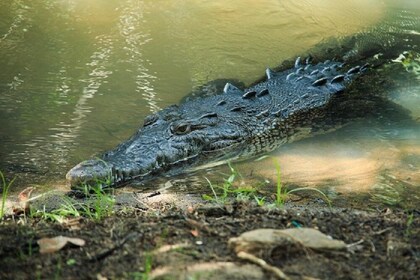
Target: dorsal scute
{"x": 269, "y": 73}
{"x": 229, "y": 88}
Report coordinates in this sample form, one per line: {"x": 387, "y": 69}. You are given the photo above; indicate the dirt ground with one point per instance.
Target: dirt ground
{"x": 164, "y": 241}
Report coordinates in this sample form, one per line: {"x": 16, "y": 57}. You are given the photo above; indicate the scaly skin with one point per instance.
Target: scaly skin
{"x": 237, "y": 124}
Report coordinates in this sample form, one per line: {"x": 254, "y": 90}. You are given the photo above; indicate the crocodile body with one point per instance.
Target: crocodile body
{"x": 236, "y": 124}
{"x": 233, "y": 124}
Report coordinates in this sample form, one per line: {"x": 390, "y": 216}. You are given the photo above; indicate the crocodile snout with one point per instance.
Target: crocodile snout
{"x": 89, "y": 172}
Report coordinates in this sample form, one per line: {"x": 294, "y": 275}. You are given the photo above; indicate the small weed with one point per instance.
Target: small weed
{"x": 101, "y": 206}
{"x": 145, "y": 275}
{"x": 260, "y": 200}
{"x": 5, "y": 187}
{"x": 68, "y": 209}
{"x": 227, "y": 189}
{"x": 95, "y": 207}
{"x": 147, "y": 267}
{"x": 58, "y": 269}
{"x": 410, "y": 220}
{"x": 71, "y": 262}
{"x": 282, "y": 193}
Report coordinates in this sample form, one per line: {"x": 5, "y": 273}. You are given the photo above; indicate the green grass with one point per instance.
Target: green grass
{"x": 221, "y": 193}
{"x": 410, "y": 220}
{"x": 147, "y": 267}
{"x": 67, "y": 209}
{"x": 282, "y": 193}
{"x": 98, "y": 205}
{"x": 5, "y": 187}
{"x": 260, "y": 200}
{"x": 228, "y": 190}
{"x": 102, "y": 204}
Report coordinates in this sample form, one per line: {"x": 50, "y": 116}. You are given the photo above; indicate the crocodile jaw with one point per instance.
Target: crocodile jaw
{"x": 90, "y": 172}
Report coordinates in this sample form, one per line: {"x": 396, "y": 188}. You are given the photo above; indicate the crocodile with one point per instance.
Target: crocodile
{"x": 233, "y": 125}
{"x": 301, "y": 98}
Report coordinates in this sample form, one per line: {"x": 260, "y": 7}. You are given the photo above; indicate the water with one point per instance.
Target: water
{"x": 78, "y": 77}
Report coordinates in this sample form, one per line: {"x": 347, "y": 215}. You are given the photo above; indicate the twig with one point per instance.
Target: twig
{"x": 104, "y": 254}
{"x": 355, "y": 243}
{"x": 382, "y": 231}
{"x": 263, "y": 264}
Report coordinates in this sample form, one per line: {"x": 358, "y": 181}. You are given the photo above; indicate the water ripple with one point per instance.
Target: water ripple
{"x": 133, "y": 29}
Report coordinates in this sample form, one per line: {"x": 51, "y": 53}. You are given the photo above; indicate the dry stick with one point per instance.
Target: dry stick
{"x": 105, "y": 253}
{"x": 382, "y": 231}
{"x": 263, "y": 264}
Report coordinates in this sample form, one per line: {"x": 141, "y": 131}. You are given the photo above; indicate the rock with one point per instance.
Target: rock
{"x": 259, "y": 240}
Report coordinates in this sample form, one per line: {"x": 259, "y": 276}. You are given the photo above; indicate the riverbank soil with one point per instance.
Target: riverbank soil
{"x": 165, "y": 241}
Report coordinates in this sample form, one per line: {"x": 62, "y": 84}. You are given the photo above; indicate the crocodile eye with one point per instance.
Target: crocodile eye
{"x": 181, "y": 129}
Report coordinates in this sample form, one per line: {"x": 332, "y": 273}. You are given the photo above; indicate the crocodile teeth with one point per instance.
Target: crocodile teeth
{"x": 320, "y": 82}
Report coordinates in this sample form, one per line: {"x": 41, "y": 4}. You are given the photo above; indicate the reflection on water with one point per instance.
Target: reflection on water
{"x": 134, "y": 31}
{"x": 77, "y": 77}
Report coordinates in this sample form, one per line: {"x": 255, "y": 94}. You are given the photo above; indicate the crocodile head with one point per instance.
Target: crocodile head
{"x": 213, "y": 129}
{"x": 168, "y": 143}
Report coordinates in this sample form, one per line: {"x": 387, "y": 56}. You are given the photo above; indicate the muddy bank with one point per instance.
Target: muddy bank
{"x": 171, "y": 242}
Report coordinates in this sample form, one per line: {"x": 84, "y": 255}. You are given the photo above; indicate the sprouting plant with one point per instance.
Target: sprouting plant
{"x": 5, "y": 190}
{"x": 147, "y": 267}
{"x": 58, "y": 269}
{"x": 280, "y": 196}
{"x": 228, "y": 190}
{"x": 103, "y": 203}
{"x": 99, "y": 203}
{"x": 96, "y": 206}
{"x": 226, "y": 187}
{"x": 282, "y": 193}
{"x": 260, "y": 200}
{"x": 67, "y": 209}
{"x": 410, "y": 220}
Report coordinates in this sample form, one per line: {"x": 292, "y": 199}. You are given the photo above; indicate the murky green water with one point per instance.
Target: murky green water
{"x": 77, "y": 77}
